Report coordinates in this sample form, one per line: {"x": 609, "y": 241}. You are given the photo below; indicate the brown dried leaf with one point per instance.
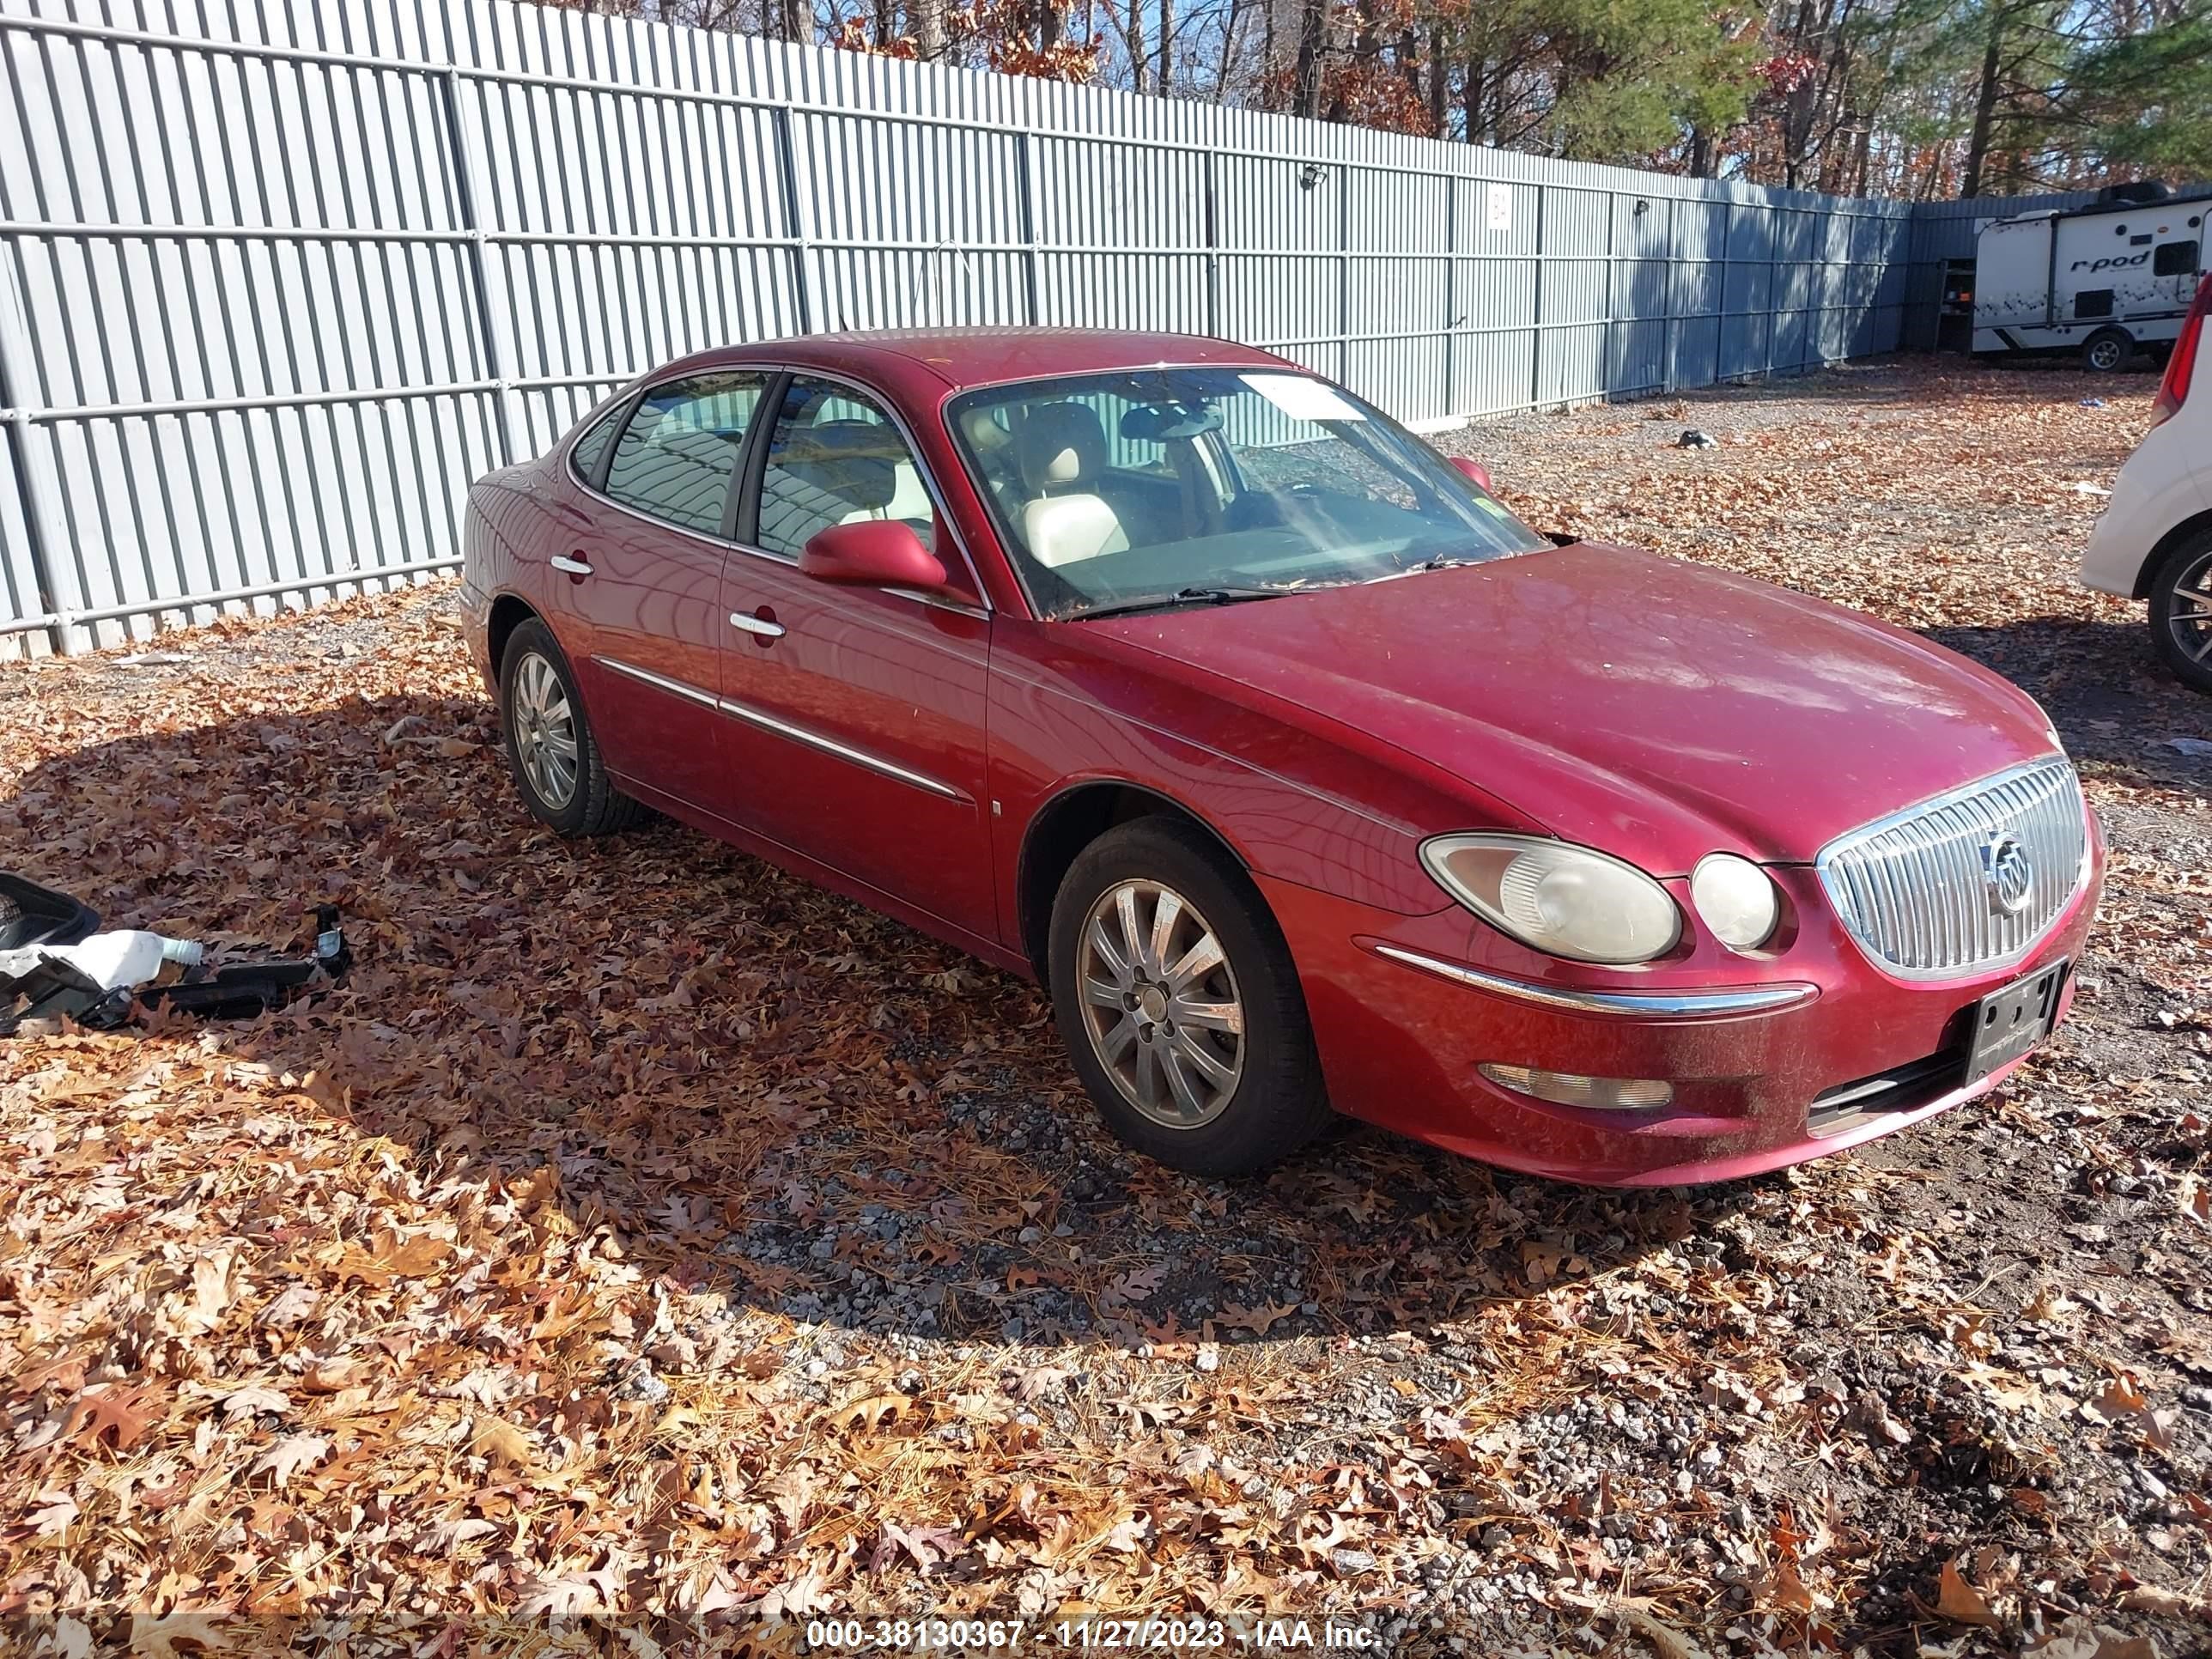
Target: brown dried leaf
{"x": 873, "y": 1412}
{"x": 1960, "y": 1602}
{"x": 496, "y": 1438}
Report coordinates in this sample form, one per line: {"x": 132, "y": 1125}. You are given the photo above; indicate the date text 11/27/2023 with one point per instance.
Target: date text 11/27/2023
{"x": 1141, "y": 1635}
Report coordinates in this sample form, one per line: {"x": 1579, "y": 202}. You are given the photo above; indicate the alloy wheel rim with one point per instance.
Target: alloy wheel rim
{"x": 2105, "y": 354}
{"x": 1160, "y": 1004}
{"x": 2190, "y": 617}
{"x": 545, "y": 732}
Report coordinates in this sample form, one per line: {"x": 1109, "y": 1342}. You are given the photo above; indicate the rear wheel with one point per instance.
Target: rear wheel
{"x": 551, "y": 751}
{"x": 2107, "y": 350}
{"x": 2181, "y": 612}
{"x": 1180, "y": 1005}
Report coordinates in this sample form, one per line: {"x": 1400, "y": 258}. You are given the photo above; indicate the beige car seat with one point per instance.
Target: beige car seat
{"x": 1062, "y": 449}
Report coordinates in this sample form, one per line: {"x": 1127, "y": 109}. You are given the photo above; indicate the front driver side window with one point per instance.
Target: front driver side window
{"x": 677, "y": 456}
{"x": 835, "y": 458}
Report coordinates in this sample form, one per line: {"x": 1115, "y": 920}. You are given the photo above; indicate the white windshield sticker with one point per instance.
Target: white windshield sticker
{"x": 1302, "y": 399}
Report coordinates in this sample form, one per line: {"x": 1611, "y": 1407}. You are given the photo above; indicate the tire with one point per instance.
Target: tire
{"x": 1261, "y": 1096}
{"x": 2180, "y": 593}
{"x": 2107, "y": 350}
{"x": 538, "y": 705}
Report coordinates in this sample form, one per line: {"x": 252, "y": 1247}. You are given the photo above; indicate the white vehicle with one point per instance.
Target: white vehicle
{"x": 2155, "y": 541}
{"x": 2103, "y": 280}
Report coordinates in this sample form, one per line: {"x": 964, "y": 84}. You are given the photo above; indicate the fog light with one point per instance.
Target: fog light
{"x": 1610, "y": 1094}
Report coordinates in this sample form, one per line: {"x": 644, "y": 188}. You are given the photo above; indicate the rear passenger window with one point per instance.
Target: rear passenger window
{"x": 678, "y": 453}
{"x": 2174, "y": 260}
{"x": 589, "y": 457}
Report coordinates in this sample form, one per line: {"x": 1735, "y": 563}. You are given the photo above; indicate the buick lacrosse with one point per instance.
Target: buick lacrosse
{"x": 1302, "y": 773}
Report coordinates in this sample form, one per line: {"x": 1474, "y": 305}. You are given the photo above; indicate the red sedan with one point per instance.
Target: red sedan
{"x": 1303, "y": 773}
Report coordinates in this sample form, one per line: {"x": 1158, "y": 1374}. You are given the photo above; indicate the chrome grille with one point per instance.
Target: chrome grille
{"x": 1914, "y": 890}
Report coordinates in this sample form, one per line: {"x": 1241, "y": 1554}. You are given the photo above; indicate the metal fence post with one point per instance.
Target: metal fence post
{"x": 1536, "y": 319}
{"x": 1451, "y": 297}
{"x": 41, "y": 515}
{"x": 1766, "y": 369}
{"x": 1605, "y": 351}
{"x": 1344, "y": 276}
{"x": 1674, "y": 264}
{"x": 1025, "y": 164}
{"x": 491, "y": 321}
{"x": 1816, "y": 350}
{"x": 796, "y": 216}
{"x": 1212, "y": 249}
{"x": 1721, "y": 311}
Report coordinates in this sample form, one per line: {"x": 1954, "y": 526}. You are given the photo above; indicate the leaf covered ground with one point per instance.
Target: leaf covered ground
{"x": 640, "y": 1232}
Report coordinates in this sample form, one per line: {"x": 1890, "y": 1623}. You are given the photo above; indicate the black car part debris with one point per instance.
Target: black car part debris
{"x": 247, "y": 988}
{"x": 32, "y": 915}
{"x": 53, "y": 988}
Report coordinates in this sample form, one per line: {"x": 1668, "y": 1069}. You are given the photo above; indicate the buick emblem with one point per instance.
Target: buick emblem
{"x": 2007, "y": 872}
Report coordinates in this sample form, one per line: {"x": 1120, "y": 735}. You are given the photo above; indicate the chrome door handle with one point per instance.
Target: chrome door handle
{"x": 767, "y": 630}
{"x": 570, "y": 567}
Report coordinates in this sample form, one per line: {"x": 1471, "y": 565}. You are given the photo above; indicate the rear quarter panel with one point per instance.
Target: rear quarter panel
{"x": 499, "y": 534}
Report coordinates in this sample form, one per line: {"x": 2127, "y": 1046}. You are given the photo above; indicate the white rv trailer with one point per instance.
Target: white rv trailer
{"x": 2101, "y": 280}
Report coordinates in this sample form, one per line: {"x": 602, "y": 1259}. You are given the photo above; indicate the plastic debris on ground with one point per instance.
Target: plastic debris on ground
{"x": 56, "y": 965}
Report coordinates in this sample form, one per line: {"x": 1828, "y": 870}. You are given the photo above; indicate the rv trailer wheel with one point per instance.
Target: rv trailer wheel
{"x": 2107, "y": 350}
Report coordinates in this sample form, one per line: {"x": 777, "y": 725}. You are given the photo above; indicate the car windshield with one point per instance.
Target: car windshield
{"x": 1176, "y": 486}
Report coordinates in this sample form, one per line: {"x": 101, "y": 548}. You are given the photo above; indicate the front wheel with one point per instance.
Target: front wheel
{"x": 1180, "y": 1005}
{"x": 2181, "y": 612}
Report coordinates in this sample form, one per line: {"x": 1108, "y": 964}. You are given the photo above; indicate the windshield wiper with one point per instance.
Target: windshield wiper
{"x": 1183, "y": 596}
{"x": 1442, "y": 562}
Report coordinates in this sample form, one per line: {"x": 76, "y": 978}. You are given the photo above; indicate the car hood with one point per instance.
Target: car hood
{"x": 1657, "y": 709}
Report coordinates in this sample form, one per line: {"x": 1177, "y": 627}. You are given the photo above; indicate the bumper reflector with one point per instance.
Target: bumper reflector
{"x": 1613, "y": 1094}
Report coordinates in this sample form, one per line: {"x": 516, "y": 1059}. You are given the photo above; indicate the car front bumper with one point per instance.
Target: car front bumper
{"x": 1400, "y": 1042}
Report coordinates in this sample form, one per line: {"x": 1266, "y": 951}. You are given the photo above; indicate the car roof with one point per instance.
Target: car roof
{"x": 961, "y": 358}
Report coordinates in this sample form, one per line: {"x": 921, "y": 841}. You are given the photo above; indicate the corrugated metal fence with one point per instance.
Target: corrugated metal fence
{"x": 276, "y": 280}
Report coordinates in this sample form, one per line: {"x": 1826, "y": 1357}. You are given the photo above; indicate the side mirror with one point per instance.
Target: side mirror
{"x": 1474, "y": 469}
{"x": 871, "y": 553}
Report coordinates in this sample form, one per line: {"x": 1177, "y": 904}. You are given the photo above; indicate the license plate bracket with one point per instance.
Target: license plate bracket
{"x": 2012, "y": 1019}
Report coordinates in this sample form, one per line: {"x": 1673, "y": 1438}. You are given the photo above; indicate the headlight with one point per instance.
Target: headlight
{"x": 1736, "y": 899}
{"x": 1567, "y": 900}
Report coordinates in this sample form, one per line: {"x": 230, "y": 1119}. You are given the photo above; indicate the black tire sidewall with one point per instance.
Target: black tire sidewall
{"x": 2197, "y": 676}
{"x": 533, "y": 638}
{"x": 1280, "y": 1103}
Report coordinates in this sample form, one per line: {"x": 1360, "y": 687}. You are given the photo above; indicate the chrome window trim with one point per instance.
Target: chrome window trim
{"x": 768, "y": 722}
{"x": 1824, "y": 862}
{"x": 638, "y": 393}
{"x": 1644, "y": 1005}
